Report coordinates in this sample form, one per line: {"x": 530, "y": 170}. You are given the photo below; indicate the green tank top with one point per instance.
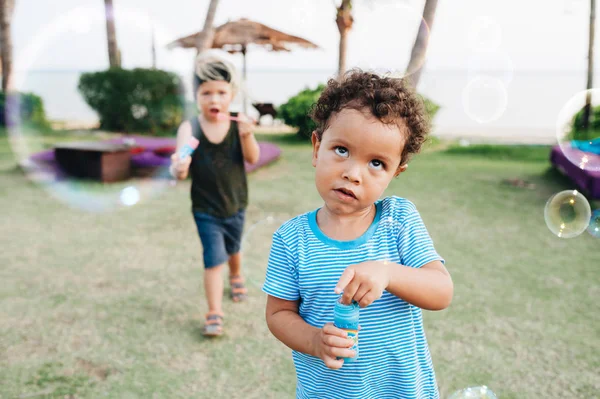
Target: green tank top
{"x": 219, "y": 185}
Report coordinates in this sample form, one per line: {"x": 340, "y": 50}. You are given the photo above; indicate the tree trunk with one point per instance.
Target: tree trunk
{"x": 6, "y": 10}
{"x": 153, "y": 49}
{"x": 419, "y": 50}
{"x": 244, "y": 75}
{"x": 114, "y": 58}
{"x": 587, "y": 111}
{"x": 206, "y": 36}
{"x": 344, "y": 22}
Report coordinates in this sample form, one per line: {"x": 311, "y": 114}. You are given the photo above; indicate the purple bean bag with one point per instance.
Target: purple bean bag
{"x": 46, "y": 156}
{"x": 269, "y": 152}
{"x": 587, "y": 181}
{"x": 149, "y": 143}
{"x": 148, "y": 160}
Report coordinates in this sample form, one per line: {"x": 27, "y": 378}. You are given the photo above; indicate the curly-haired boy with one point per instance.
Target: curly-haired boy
{"x": 376, "y": 251}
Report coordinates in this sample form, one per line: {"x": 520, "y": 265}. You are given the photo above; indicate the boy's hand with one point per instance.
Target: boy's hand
{"x": 180, "y": 167}
{"x": 330, "y": 343}
{"x": 363, "y": 282}
{"x": 245, "y": 125}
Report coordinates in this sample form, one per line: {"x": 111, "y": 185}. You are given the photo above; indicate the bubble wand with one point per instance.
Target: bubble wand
{"x": 187, "y": 150}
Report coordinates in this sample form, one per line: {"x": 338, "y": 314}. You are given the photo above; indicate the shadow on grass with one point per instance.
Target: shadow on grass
{"x": 193, "y": 328}
{"x": 556, "y": 181}
{"x": 525, "y": 153}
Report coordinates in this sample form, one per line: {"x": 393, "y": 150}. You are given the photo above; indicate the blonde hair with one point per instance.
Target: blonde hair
{"x": 213, "y": 65}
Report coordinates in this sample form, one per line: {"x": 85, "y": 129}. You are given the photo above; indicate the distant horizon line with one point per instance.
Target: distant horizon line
{"x": 293, "y": 70}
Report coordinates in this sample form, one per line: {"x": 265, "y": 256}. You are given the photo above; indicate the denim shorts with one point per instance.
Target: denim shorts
{"x": 220, "y": 237}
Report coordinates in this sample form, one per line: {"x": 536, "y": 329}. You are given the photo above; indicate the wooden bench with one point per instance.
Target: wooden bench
{"x": 106, "y": 162}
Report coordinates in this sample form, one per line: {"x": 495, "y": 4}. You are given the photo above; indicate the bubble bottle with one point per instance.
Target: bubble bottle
{"x": 345, "y": 317}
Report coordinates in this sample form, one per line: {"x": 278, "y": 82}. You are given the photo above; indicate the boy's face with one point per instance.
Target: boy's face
{"x": 214, "y": 97}
{"x": 355, "y": 160}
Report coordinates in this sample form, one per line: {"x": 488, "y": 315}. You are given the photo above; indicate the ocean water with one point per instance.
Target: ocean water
{"x": 519, "y": 103}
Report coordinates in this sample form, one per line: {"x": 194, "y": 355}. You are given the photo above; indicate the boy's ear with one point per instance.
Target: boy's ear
{"x": 400, "y": 169}
{"x": 316, "y": 144}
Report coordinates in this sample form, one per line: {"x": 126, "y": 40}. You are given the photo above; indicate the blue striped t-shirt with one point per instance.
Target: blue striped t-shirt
{"x": 305, "y": 265}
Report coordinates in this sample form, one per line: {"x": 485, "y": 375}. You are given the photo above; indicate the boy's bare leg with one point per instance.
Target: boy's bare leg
{"x": 213, "y": 287}
{"x": 235, "y": 264}
{"x": 236, "y": 281}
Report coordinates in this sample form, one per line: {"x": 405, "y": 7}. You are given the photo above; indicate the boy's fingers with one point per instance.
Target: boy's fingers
{"x": 350, "y": 292}
{"x": 330, "y": 329}
{"x": 333, "y": 363}
{"x": 337, "y": 342}
{"x": 361, "y": 292}
{"x": 345, "y": 278}
{"x": 341, "y": 352}
{"x": 368, "y": 299}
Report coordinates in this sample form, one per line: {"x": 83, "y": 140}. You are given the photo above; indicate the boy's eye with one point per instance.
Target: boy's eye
{"x": 341, "y": 151}
{"x": 377, "y": 164}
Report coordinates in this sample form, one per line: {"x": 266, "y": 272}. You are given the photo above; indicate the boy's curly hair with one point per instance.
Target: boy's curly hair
{"x": 391, "y": 100}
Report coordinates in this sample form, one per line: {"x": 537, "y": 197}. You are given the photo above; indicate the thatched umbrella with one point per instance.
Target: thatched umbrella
{"x": 236, "y": 36}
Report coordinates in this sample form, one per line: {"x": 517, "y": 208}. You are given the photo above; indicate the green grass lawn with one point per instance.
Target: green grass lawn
{"x": 111, "y": 305}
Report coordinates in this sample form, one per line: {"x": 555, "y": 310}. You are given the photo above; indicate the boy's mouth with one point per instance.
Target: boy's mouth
{"x": 214, "y": 111}
{"x": 345, "y": 193}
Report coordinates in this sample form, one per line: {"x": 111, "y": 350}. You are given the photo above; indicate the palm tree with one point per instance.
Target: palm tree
{"x": 114, "y": 56}
{"x": 587, "y": 111}
{"x": 344, "y": 22}
{"x": 419, "y": 50}
{"x": 205, "y": 39}
{"x": 6, "y": 11}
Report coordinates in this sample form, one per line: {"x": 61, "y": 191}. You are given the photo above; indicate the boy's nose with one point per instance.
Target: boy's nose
{"x": 352, "y": 173}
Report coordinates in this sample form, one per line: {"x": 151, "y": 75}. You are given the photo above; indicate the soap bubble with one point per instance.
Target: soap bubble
{"x": 485, "y": 99}
{"x": 594, "y": 226}
{"x": 573, "y": 144}
{"x": 567, "y": 214}
{"x": 481, "y": 392}
{"x": 398, "y": 20}
{"x": 77, "y": 163}
{"x": 495, "y": 64}
{"x": 485, "y": 34}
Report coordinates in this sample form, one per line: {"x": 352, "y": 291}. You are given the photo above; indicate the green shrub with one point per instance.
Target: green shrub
{"x": 140, "y": 100}
{"x": 30, "y": 110}
{"x": 431, "y": 108}
{"x": 296, "y": 110}
{"x": 578, "y": 132}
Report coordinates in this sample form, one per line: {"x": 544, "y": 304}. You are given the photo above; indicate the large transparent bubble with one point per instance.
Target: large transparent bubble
{"x": 580, "y": 146}
{"x": 594, "y": 226}
{"x": 399, "y": 22}
{"x": 484, "y": 34}
{"x": 495, "y": 64}
{"x": 79, "y": 164}
{"x": 567, "y": 214}
{"x": 485, "y": 99}
{"x": 481, "y": 392}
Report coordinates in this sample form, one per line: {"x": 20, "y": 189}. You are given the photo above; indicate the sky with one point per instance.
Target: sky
{"x": 510, "y": 34}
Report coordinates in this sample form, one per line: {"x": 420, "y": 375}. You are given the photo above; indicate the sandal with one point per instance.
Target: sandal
{"x": 238, "y": 289}
{"x": 213, "y": 327}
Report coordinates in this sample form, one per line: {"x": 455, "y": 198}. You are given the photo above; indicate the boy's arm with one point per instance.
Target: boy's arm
{"x": 328, "y": 343}
{"x": 180, "y": 168}
{"x": 250, "y": 148}
{"x": 287, "y": 326}
{"x": 429, "y": 287}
